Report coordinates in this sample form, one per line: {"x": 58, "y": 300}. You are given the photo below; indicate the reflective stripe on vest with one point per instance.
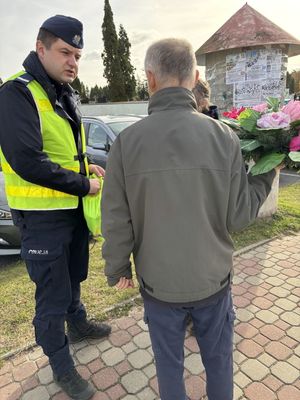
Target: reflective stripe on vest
{"x": 60, "y": 147}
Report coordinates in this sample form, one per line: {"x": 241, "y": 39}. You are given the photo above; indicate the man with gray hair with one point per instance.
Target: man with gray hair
{"x": 175, "y": 188}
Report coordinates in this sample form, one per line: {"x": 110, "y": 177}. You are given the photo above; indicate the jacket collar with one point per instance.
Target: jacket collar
{"x": 53, "y": 89}
{"x": 172, "y": 98}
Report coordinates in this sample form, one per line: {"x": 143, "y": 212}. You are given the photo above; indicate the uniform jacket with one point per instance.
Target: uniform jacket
{"x": 175, "y": 188}
{"x": 20, "y": 135}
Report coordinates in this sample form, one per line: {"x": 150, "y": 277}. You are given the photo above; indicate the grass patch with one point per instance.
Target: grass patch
{"x": 17, "y": 291}
{"x": 286, "y": 220}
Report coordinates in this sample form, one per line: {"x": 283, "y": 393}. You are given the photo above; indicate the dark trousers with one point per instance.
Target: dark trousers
{"x": 213, "y": 326}
{"x": 55, "y": 249}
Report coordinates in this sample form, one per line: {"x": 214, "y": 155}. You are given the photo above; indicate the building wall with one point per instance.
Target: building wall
{"x": 222, "y": 94}
{"x": 132, "y": 107}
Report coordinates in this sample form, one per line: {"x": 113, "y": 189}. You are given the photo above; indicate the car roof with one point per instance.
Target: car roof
{"x": 113, "y": 118}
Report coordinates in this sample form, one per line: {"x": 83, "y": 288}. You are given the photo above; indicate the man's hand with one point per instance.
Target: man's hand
{"x": 94, "y": 186}
{"x": 125, "y": 283}
{"x": 96, "y": 169}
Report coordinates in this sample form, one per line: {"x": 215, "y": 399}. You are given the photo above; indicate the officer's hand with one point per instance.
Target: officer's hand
{"x": 94, "y": 186}
{"x": 96, "y": 169}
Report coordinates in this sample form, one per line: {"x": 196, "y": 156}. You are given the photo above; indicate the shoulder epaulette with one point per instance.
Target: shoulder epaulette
{"x": 25, "y": 78}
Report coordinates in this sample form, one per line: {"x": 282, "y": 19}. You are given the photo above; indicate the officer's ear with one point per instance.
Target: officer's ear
{"x": 40, "y": 49}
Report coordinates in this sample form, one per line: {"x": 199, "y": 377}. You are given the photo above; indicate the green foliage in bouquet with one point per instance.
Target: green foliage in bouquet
{"x": 273, "y": 103}
{"x": 248, "y": 119}
{"x": 269, "y": 135}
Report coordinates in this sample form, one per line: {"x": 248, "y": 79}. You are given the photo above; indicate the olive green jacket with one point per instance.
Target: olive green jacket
{"x": 175, "y": 187}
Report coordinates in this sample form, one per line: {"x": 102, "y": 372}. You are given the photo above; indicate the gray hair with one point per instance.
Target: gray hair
{"x": 171, "y": 58}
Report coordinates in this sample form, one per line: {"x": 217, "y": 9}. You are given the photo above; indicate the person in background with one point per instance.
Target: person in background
{"x": 45, "y": 170}
{"x": 297, "y": 96}
{"x": 174, "y": 189}
{"x": 202, "y": 94}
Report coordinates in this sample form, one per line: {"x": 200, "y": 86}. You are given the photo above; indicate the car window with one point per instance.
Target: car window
{"x": 97, "y": 135}
{"x": 117, "y": 127}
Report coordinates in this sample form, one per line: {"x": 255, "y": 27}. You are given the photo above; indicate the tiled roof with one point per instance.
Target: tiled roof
{"x": 247, "y": 27}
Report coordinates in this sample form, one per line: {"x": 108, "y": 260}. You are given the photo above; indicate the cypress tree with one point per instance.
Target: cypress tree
{"x": 94, "y": 93}
{"x": 84, "y": 93}
{"x": 142, "y": 89}
{"x": 127, "y": 69}
{"x": 110, "y": 56}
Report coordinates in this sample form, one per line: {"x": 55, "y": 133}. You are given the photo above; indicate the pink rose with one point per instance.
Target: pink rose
{"x": 292, "y": 109}
{"x": 274, "y": 120}
{"x": 260, "y": 107}
{"x": 295, "y": 143}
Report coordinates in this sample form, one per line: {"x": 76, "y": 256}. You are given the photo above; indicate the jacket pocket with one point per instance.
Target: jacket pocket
{"x": 41, "y": 262}
{"x": 226, "y": 342}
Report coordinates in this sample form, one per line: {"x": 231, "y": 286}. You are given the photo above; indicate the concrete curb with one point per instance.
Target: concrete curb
{"x": 252, "y": 246}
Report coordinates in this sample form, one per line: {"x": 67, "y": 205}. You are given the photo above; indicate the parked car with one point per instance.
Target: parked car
{"x": 101, "y": 133}
{"x": 10, "y": 238}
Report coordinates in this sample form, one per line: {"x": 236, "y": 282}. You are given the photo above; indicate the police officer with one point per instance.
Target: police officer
{"x": 45, "y": 170}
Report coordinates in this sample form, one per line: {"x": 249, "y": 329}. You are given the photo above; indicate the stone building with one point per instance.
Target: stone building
{"x": 246, "y": 60}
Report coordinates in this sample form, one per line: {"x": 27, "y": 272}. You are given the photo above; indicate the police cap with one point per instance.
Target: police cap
{"x": 66, "y": 28}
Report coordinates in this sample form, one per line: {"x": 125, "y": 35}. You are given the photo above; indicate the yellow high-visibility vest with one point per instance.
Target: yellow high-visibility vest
{"x": 59, "y": 145}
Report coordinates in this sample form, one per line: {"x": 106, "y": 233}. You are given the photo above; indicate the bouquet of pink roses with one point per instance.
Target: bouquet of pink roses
{"x": 269, "y": 135}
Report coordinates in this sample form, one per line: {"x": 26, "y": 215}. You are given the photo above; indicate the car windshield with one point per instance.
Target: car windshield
{"x": 117, "y": 127}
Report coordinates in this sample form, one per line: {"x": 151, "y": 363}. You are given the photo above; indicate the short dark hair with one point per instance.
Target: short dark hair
{"x": 46, "y": 37}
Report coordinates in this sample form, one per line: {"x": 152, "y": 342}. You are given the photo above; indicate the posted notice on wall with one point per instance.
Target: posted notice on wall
{"x": 255, "y": 74}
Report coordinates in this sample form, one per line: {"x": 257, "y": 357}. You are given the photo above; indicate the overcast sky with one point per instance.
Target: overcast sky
{"x": 144, "y": 22}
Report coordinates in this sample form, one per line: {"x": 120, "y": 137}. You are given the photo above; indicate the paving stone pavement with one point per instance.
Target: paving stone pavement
{"x": 266, "y": 294}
